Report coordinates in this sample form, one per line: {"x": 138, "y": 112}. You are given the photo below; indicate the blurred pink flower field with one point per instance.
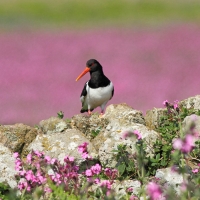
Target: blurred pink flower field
{"x": 147, "y": 66}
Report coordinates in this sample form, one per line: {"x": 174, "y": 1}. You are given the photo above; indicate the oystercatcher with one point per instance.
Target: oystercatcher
{"x": 98, "y": 90}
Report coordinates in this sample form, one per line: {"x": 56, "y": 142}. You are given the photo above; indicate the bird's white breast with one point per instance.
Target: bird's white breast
{"x": 98, "y": 96}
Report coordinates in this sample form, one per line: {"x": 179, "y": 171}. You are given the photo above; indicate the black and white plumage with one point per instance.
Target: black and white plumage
{"x": 98, "y": 90}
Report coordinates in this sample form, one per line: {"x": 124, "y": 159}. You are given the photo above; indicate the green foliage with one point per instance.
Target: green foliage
{"x": 94, "y": 133}
{"x": 125, "y": 164}
{"x": 169, "y": 128}
{"x": 7, "y": 193}
{"x": 60, "y": 114}
{"x": 78, "y": 13}
{"x": 59, "y": 193}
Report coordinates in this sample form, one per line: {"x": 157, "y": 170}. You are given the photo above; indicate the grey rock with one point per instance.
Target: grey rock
{"x": 58, "y": 145}
{"x": 153, "y": 117}
{"x": 17, "y": 137}
{"x": 170, "y": 178}
{"x": 53, "y": 125}
{"x": 192, "y": 102}
{"x": 191, "y": 122}
{"x": 7, "y": 167}
{"x": 123, "y": 114}
{"x": 89, "y": 124}
{"x": 114, "y": 137}
{"x": 120, "y": 188}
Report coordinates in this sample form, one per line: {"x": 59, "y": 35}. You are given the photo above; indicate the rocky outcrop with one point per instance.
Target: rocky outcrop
{"x": 17, "y": 137}
{"x": 57, "y": 137}
{"x": 7, "y": 167}
{"x": 60, "y": 144}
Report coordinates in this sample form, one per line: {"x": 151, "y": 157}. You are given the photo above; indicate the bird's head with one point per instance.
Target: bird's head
{"x": 92, "y": 65}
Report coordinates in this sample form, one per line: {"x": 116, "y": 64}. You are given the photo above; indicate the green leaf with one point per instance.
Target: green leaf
{"x": 121, "y": 168}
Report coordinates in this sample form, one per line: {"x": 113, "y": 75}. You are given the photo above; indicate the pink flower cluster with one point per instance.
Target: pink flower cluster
{"x": 28, "y": 178}
{"x": 132, "y": 133}
{"x": 154, "y": 191}
{"x": 82, "y": 149}
{"x": 171, "y": 106}
{"x": 94, "y": 170}
{"x": 186, "y": 144}
{"x": 35, "y": 173}
{"x": 196, "y": 170}
{"x": 37, "y": 176}
{"x": 111, "y": 173}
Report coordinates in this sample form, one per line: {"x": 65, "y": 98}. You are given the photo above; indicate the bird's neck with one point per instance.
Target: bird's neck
{"x": 98, "y": 79}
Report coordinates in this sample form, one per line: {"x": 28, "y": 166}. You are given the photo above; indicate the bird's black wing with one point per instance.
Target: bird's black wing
{"x": 84, "y": 91}
{"x": 112, "y": 93}
{"x": 83, "y": 94}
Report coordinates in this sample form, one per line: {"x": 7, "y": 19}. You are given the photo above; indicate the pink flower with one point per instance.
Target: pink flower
{"x": 130, "y": 134}
{"x": 29, "y": 175}
{"x": 176, "y": 104}
{"x": 83, "y": 147}
{"x": 47, "y": 190}
{"x": 195, "y": 171}
{"x": 132, "y": 197}
{"x": 106, "y": 183}
{"x": 96, "y": 169}
{"x": 88, "y": 172}
{"x": 96, "y": 180}
{"x": 29, "y": 158}
{"x": 165, "y": 103}
{"x": 154, "y": 191}
{"x": 129, "y": 189}
{"x": 186, "y": 145}
{"x": 16, "y": 155}
{"x": 38, "y": 154}
{"x": 53, "y": 161}
{"x": 139, "y": 136}
{"x": 177, "y": 144}
{"x": 68, "y": 158}
{"x": 189, "y": 143}
{"x": 18, "y": 165}
{"x": 111, "y": 173}
{"x": 22, "y": 173}
{"x": 85, "y": 155}
{"x": 47, "y": 159}
{"x": 71, "y": 159}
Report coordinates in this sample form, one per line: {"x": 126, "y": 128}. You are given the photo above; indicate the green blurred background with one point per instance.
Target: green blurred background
{"x": 44, "y": 14}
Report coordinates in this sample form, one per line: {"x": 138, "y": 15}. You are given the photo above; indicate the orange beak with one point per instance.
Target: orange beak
{"x": 86, "y": 70}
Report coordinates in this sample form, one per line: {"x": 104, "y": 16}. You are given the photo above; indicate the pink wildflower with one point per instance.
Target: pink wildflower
{"x": 165, "y": 103}
{"x": 130, "y": 134}
{"x": 85, "y": 155}
{"x": 195, "y": 171}
{"x": 47, "y": 190}
{"x": 83, "y": 147}
{"x": 88, "y": 172}
{"x": 96, "y": 180}
{"x": 132, "y": 197}
{"x": 16, "y": 155}
{"x": 47, "y": 159}
{"x": 38, "y": 153}
{"x": 96, "y": 169}
{"x": 29, "y": 158}
{"x": 29, "y": 175}
{"x": 186, "y": 145}
{"x": 139, "y": 136}
{"x": 106, "y": 183}
{"x": 177, "y": 144}
{"x": 176, "y": 104}
{"x": 154, "y": 191}
{"x": 111, "y": 173}
{"x": 53, "y": 161}
{"x": 68, "y": 158}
